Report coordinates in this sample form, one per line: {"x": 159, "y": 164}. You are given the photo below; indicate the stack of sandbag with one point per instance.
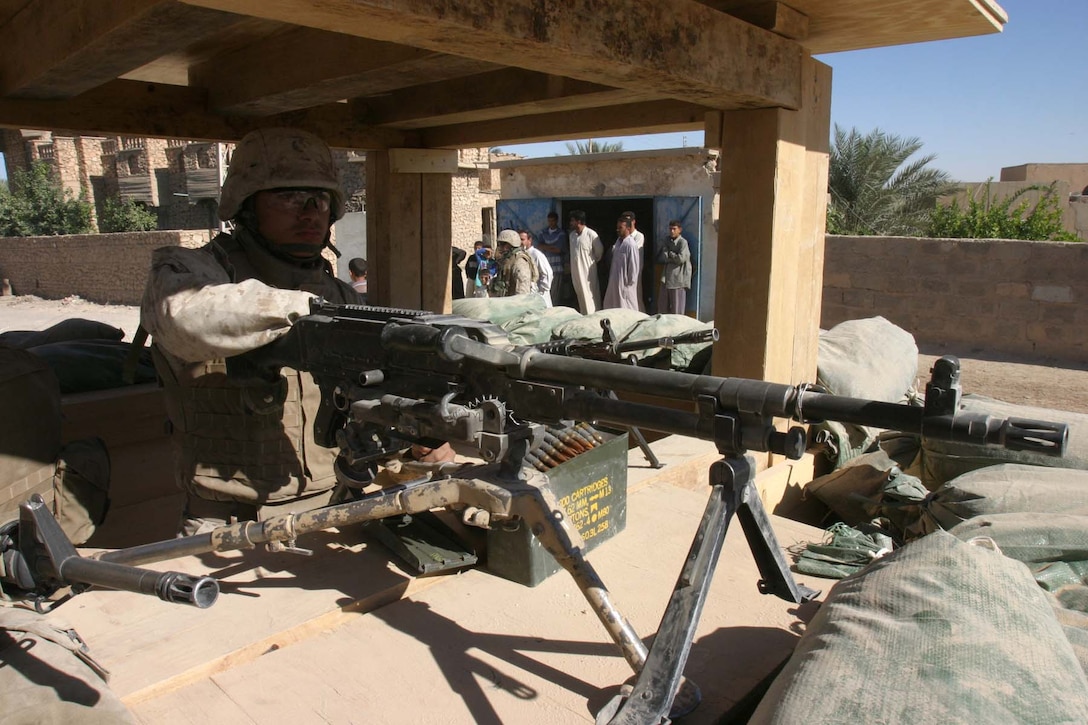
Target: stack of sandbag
{"x": 871, "y": 359}
{"x": 73, "y": 478}
{"x": 940, "y": 631}
{"x": 85, "y": 355}
{"x": 528, "y": 322}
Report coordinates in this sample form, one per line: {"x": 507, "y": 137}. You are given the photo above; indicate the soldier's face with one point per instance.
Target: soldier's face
{"x": 294, "y": 220}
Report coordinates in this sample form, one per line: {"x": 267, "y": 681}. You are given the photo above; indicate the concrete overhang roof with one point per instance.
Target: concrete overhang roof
{"x": 431, "y": 73}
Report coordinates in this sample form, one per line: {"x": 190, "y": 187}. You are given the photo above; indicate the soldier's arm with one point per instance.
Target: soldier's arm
{"x": 194, "y": 312}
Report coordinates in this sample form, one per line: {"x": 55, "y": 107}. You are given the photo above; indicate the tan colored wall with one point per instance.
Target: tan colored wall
{"x": 964, "y": 296}
{"x": 1076, "y": 175}
{"x": 104, "y": 268}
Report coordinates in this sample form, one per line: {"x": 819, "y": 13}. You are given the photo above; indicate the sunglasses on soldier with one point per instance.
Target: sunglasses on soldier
{"x": 298, "y": 200}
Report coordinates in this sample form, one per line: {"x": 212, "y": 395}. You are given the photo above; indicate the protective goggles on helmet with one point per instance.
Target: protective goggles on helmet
{"x": 298, "y": 200}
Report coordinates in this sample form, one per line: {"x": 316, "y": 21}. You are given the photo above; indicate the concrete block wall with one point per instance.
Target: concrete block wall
{"x": 103, "y": 268}
{"x": 961, "y": 295}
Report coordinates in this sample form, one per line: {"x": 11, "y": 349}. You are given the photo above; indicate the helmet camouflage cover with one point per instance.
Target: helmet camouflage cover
{"x": 279, "y": 158}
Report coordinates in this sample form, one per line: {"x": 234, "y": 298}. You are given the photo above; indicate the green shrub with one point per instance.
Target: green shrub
{"x": 34, "y": 204}
{"x": 986, "y": 219}
{"x": 126, "y": 216}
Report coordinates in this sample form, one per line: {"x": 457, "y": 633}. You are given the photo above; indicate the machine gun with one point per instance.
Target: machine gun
{"x": 389, "y": 376}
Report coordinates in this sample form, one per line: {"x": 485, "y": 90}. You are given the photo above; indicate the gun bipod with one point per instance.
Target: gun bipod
{"x": 660, "y": 692}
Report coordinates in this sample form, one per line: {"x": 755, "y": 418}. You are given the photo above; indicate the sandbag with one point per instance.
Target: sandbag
{"x": 944, "y": 460}
{"x": 30, "y": 420}
{"x": 939, "y": 631}
{"x": 871, "y": 359}
{"x": 531, "y": 328}
{"x": 75, "y": 328}
{"x": 852, "y": 490}
{"x": 1055, "y": 549}
{"x": 48, "y": 676}
{"x": 498, "y": 310}
{"x": 1005, "y": 488}
{"x": 81, "y": 487}
{"x": 83, "y": 366}
{"x": 588, "y": 327}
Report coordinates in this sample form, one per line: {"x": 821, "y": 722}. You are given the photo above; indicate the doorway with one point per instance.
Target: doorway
{"x": 601, "y": 216}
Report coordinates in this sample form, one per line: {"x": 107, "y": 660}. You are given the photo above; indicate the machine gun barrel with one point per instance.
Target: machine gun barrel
{"x": 44, "y": 546}
{"x": 780, "y": 401}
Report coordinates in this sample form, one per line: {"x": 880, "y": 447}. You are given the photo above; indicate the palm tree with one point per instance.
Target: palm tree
{"x": 874, "y": 191}
{"x": 594, "y": 147}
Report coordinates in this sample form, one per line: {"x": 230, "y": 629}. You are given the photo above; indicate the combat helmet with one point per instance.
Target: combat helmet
{"x": 509, "y": 236}
{"x": 279, "y": 158}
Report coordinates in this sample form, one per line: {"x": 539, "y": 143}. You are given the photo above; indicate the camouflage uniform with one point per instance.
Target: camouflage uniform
{"x": 241, "y": 442}
{"x": 518, "y": 274}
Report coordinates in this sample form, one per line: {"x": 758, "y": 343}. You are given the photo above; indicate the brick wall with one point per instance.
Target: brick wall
{"x": 104, "y": 268}
{"x": 991, "y": 296}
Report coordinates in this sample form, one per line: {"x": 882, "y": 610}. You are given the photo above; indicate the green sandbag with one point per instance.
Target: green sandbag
{"x": 1005, "y": 488}
{"x": 944, "y": 460}
{"x": 1055, "y": 549}
{"x": 498, "y": 310}
{"x": 940, "y": 631}
{"x": 871, "y": 359}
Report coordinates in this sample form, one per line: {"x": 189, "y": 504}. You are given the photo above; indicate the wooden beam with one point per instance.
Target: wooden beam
{"x": 774, "y": 16}
{"x": 487, "y": 96}
{"x": 394, "y": 236}
{"x": 682, "y": 49}
{"x": 303, "y": 67}
{"x": 435, "y": 260}
{"x": 61, "y": 49}
{"x": 622, "y": 120}
{"x": 133, "y": 108}
{"x": 839, "y": 25}
{"x": 770, "y": 239}
{"x": 422, "y": 161}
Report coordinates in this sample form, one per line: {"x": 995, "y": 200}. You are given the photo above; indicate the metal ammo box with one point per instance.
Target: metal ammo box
{"x": 592, "y": 488}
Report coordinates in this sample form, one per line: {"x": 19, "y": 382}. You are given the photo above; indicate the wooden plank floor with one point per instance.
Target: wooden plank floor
{"x": 344, "y": 637}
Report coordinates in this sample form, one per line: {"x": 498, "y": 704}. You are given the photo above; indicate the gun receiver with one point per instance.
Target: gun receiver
{"x": 389, "y": 376}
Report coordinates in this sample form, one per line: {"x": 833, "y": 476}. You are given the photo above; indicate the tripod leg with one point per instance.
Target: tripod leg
{"x": 646, "y": 450}
{"x": 661, "y": 678}
{"x": 538, "y": 506}
{"x": 777, "y": 578}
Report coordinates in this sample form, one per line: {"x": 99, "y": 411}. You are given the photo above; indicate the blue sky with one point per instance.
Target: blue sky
{"x": 979, "y": 104}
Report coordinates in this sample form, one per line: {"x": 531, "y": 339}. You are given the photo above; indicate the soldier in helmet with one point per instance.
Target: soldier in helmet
{"x": 244, "y": 443}
{"x": 517, "y": 274}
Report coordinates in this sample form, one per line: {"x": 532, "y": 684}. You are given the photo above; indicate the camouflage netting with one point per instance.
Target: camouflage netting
{"x": 939, "y": 631}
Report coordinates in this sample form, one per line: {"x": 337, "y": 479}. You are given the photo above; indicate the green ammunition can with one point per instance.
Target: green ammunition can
{"x": 592, "y": 489}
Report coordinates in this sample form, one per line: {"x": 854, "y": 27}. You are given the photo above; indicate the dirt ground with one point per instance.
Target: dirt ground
{"x": 1041, "y": 383}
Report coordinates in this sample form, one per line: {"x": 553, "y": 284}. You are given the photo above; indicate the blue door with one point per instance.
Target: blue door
{"x": 689, "y": 211}
{"x": 529, "y": 214}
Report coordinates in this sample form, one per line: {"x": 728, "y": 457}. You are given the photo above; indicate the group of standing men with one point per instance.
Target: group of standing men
{"x": 558, "y": 261}
{"x": 624, "y": 288}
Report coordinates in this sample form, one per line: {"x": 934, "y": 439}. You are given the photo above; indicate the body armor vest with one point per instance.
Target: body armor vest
{"x": 245, "y": 439}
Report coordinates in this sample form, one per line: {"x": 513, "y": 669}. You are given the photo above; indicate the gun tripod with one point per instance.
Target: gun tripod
{"x": 489, "y": 497}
